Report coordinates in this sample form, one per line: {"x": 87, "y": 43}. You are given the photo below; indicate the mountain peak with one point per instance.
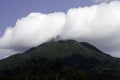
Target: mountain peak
{"x": 56, "y": 57}
{"x": 65, "y": 41}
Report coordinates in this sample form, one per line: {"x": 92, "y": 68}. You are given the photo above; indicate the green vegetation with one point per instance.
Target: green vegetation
{"x": 62, "y": 60}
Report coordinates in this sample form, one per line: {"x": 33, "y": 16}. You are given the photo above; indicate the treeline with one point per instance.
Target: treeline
{"x": 54, "y": 70}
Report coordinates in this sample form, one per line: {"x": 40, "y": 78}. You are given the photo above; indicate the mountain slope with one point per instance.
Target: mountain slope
{"x": 52, "y": 55}
{"x": 53, "y": 50}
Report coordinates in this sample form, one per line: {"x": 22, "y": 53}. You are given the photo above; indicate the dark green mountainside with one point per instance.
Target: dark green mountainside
{"x": 62, "y": 60}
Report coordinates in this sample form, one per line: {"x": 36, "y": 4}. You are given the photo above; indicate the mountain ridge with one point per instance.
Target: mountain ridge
{"x": 69, "y": 54}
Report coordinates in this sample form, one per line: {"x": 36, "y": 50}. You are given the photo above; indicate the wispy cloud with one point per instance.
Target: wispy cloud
{"x": 101, "y": 1}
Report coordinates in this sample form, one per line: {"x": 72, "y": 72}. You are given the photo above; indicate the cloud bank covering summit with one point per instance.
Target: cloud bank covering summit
{"x": 97, "y": 24}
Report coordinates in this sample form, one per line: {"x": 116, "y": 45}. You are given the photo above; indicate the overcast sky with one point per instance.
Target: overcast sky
{"x": 89, "y": 20}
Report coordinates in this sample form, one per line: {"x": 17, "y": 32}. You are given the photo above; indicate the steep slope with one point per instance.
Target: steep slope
{"x": 52, "y": 55}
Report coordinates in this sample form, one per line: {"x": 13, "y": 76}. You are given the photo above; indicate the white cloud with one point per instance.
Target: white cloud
{"x": 97, "y": 24}
{"x": 33, "y": 30}
{"x": 100, "y": 1}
